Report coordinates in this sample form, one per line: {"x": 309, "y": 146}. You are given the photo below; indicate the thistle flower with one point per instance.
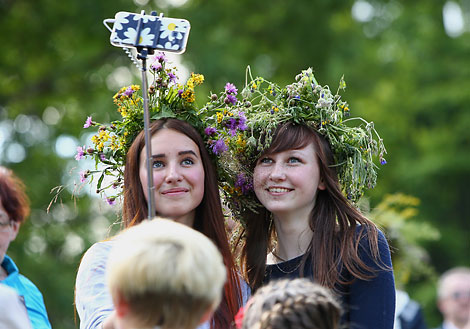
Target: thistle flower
{"x": 219, "y": 147}
{"x": 160, "y": 57}
{"x": 156, "y": 66}
{"x": 230, "y": 99}
{"x": 80, "y": 153}
{"x": 88, "y": 123}
{"x": 231, "y": 89}
{"x": 209, "y": 131}
{"x": 84, "y": 175}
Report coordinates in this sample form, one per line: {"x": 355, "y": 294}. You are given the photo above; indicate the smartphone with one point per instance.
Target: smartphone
{"x": 148, "y": 31}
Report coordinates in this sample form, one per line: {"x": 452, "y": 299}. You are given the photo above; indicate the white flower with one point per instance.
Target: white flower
{"x": 145, "y": 18}
{"x": 173, "y": 31}
{"x": 118, "y": 24}
{"x": 146, "y": 39}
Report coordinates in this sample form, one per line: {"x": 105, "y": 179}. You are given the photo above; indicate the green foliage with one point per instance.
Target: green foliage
{"x": 403, "y": 72}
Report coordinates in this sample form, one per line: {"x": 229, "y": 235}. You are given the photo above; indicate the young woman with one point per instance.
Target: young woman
{"x": 318, "y": 233}
{"x": 185, "y": 191}
{"x": 291, "y": 176}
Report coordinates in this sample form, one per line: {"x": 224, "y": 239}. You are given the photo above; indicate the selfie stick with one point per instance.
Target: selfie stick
{"x": 142, "y": 53}
{"x": 147, "y": 33}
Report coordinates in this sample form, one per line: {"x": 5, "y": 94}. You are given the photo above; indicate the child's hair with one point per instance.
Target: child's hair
{"x": 292, "y": 304}
{"x": 169, "y": 274}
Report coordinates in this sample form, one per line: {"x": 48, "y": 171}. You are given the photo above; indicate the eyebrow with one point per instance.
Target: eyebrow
{"x": 162, "y": 155}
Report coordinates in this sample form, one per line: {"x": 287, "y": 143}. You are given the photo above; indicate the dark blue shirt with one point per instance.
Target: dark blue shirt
{"x": 366, "y": 304}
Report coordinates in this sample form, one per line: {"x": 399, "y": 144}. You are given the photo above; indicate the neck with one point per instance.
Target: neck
{"x": 293, "y": 236}
{"x": 3, "y": 273}
{"x": 186, "y": 219}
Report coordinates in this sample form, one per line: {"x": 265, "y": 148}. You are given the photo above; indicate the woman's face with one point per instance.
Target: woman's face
{"x": 8, "y": 231}
{"x": 178, "y": 175}
{"x": 286, "y": 183}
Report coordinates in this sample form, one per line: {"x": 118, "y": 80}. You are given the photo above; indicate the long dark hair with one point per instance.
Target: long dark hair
{"x": 333, "y": 221}
{"x": 209, "y": 218}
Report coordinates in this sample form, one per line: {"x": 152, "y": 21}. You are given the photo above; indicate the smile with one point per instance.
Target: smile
{"x": 278, "y": 190}
{"x": 175, "y": 191}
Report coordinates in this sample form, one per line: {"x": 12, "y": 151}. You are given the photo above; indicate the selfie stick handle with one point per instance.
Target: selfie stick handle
{"x": 142, "y": 55}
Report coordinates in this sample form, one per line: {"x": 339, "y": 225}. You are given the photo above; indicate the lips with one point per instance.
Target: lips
{"x": 175, "y": 191}
{"x": 278, "y": 189}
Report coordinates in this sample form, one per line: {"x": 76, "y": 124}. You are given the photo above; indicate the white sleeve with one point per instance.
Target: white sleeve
{"x": 92, "y": 298}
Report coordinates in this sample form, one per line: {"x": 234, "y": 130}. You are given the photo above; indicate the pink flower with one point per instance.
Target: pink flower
{"x": 111, "y": 201}
{"x": 80, "y": 153}
{"x": 83, "y": 175}
{"x": 88, "y": 123}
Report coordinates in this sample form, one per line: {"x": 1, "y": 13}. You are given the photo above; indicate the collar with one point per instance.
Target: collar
{"x": 9, "y": 265}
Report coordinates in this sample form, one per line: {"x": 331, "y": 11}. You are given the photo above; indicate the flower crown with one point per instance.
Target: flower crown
{"x": 241, "y": 129}
{"x": 167, "y": 99}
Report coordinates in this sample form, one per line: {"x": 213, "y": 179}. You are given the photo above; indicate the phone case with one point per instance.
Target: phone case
{"x": 155, "y": 32}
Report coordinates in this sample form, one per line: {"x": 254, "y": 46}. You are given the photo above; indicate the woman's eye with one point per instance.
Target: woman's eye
{"x": 157, "y": 164}
{"x": 293, "y": 160}
{"x": 265, "y": 161}
{"x": 187, "y": 162}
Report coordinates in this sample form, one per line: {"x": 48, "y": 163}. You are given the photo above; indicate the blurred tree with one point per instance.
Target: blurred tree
{"x": 403, "y": 72}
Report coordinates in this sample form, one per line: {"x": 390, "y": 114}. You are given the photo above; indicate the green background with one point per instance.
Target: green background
{"x": 403, "y": 71}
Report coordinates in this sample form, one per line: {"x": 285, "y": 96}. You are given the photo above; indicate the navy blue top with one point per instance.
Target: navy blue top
{"x": 366, "y": 304}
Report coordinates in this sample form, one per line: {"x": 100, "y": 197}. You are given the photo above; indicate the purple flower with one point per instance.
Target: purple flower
{"x": 180, "y": 92}
{"x": 80, "y": 153}
{"x": 209, "y": 131}
{"x": 232, "y": 99}
{"x": 244, "y": 183}
{"x": 102, "y": 157}
{"x": 88, "y": 123}
{"x": 233, "y": 127}
{"x": 231, "y": 89}
{"x": 219, "y": 146}
{"x": 129, "y": 91}
{"x": 172, "y": 77}
{"x": 111, "y": 201}
{"x": 83, "y": 175}
{"x": 383, "y": 161}
{"x": 156, "y": 66}
{"x": 242, "y": 121}
{"x": 160, "y": 57}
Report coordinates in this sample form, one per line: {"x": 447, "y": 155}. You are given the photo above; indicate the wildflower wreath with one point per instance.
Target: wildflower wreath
{"x": 240, "y": 128}
{"x": 167, "y": 98}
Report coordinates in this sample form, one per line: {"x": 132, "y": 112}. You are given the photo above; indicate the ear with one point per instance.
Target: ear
{"x": 120, "y": 304}
{"x": 321, "y": 184}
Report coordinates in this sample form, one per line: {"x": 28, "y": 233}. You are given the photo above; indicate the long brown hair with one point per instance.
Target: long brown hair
{"x": 334, "y": 219}
{"x": 209, "y": 218}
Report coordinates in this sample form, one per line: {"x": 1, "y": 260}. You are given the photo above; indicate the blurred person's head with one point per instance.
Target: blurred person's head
{"x": 163, "y": 273}
{"x": 289, "y": 304}
{"x": 14, "y": 208}
{"x": 453, "y": 293}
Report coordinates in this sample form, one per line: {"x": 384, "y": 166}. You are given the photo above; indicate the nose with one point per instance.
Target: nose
{"x": 277, "y": 173}
{"x": 173, "y": 174}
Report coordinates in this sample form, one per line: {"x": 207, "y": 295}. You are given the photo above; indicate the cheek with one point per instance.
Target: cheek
{"x": 258, "y": 179}
{"x": 196, "y": 178}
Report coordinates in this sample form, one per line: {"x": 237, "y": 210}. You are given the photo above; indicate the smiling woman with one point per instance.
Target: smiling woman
{"x": 186, "y": 191}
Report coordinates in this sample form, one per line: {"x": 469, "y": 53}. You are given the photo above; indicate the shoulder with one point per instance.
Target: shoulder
{"x": 369, "y": 237}
{"x": 96, "y": 255}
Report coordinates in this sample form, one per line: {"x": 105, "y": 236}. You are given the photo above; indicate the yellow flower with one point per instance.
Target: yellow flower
{"x": 198, "y": 79}
{"x": 188, "y": 95}
{"x": 220, "y": 116}
{"x": 254, "y": 85}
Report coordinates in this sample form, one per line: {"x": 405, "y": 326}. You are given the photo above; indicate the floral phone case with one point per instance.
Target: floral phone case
{"x": 148, "y": 31}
